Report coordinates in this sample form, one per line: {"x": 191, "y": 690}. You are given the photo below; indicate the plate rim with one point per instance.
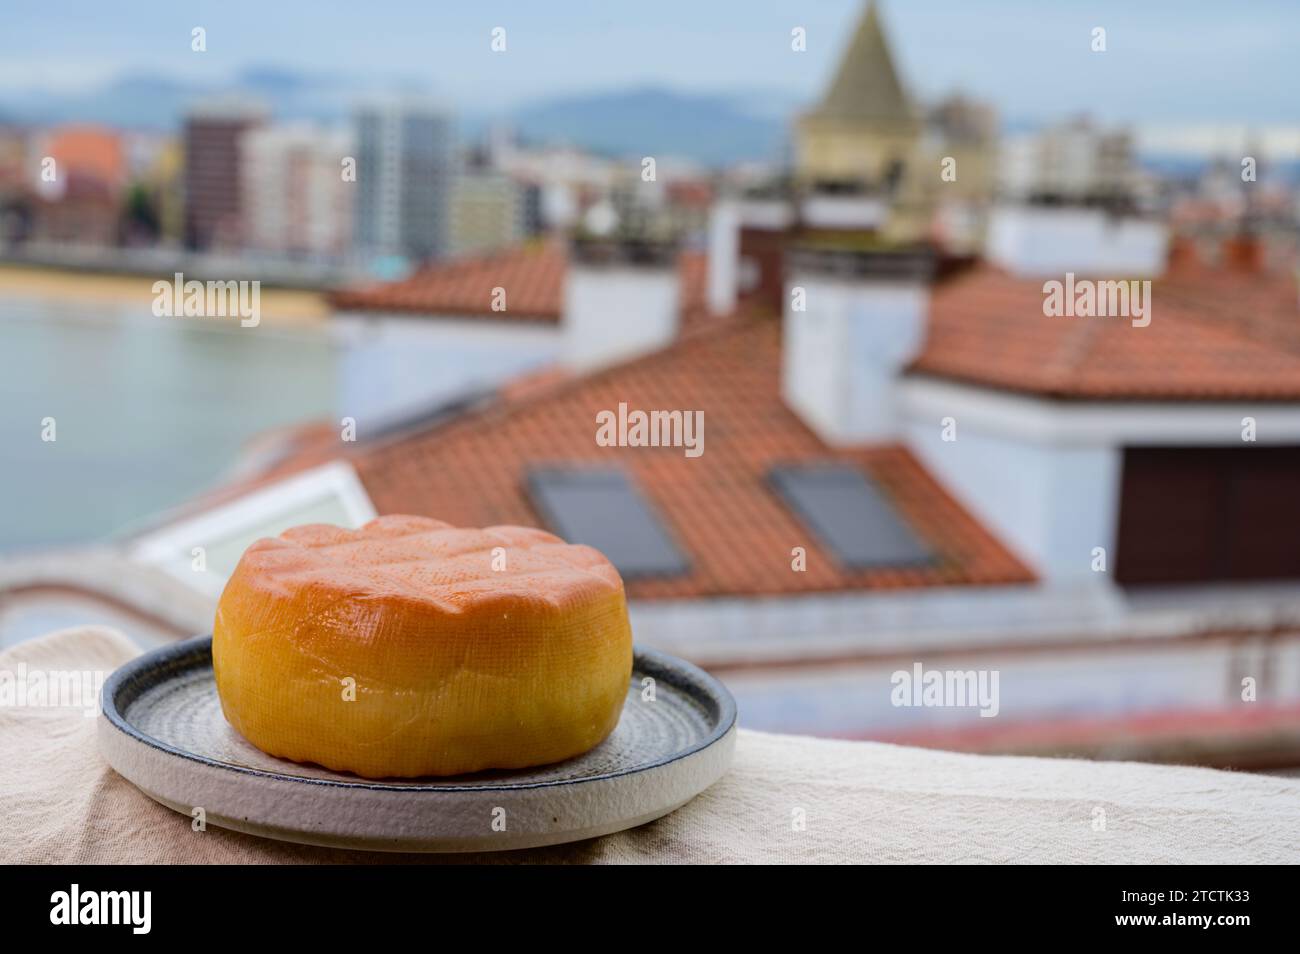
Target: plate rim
{"x": 174, "y": 654}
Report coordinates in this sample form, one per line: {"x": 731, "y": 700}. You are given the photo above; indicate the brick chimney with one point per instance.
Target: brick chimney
{"x": 746, "y": 234}
{"x": 853, "y": 320}
{"x": 1184, "y": 255}
{"x": 621, "y": 299}
{"x": 1244, "y": 252}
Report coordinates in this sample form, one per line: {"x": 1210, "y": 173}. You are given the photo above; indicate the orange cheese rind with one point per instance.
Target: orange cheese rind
{"x": 411, "y": 648}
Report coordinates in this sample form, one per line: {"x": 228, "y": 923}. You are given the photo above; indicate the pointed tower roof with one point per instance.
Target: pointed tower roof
{"x": 866, "y": 86}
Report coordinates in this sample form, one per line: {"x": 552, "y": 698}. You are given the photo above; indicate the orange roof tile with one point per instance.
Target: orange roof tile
{"x": 88, "y": 152}
{"x": 532, "y": 276}
{"x": 1216, "y": 336}
{"x": 735, "y": 532}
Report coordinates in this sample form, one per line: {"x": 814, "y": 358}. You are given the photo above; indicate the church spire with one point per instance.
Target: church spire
{"x": 866, "y": 87}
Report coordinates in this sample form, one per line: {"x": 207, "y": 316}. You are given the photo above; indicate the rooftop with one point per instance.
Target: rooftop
{"x": 736, "y": 532}
{"x": 1223, "y": 334}
{"x": 89, "y": 152}
{"x": 532, "y": 275}
{"x": 1226, "y": 334}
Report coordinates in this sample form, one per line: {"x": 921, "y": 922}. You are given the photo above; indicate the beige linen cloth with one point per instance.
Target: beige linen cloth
{"x": 857, "y": 801}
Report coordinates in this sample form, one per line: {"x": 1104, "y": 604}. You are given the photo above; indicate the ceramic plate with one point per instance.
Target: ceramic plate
{"x": 162, "y": 729}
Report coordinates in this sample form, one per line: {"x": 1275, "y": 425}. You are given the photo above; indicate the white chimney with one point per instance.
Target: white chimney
{"x": 862, "y": 322}
{"x": 1038, "y": 241}
{"x": 621, "y": 299}
{"x": 853, "y": 211}
{"x": 727, "y": 277}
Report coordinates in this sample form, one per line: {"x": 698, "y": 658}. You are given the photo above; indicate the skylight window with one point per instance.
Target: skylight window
{"x": 603, "y": 509}
{"x": 850, "y": 516}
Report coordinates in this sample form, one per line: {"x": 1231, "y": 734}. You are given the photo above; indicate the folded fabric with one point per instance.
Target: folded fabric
{"x": 786, "y": 799}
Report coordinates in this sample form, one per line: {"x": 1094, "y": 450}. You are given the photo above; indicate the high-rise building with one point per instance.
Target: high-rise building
{"x": 299, "y": 196}
{"x": 487, "y": 212}
{"x": 405, "y": 168}
{"x": 1072, "y": 162}
{"x": 213, "y": 202}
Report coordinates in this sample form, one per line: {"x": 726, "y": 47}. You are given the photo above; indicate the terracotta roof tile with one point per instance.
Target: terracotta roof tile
{"x": 735, "y": 532}
{"x": 1224, "y": 337}
{"x": 532, "y": 276}
{"x": 90, "y": 152}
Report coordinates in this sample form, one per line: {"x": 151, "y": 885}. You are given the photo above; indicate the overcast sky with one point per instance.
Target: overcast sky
{"x": 1167, "y": 60}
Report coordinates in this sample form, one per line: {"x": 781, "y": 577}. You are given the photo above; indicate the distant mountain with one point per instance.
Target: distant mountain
{"x": 136, "y": 100}
{"x": 714, "y": 130}
{"x": 152, "y": 101}
{"x": 710, "y": 129}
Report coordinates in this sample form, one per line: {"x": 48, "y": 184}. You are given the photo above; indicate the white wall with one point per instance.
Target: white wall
{"x": 821, "y": 663}
{"x": 294, "y": 198}
{"x": 841, "y": 356}
{"x": 1050, "y": 504}
{"x": 1042, "y": 241}
{"x": 726, "y": 218}
{"x": 613, "y": 312}
{"x": 723, "y": 260}
{"x": 729, "y": 632}
{"x": 844, "y": 211}
{"x": 1033, "y": 688}
{"x": 740, "y": 630}
{"x": 1044, "y": 475}
{"x": 392, "y": 366}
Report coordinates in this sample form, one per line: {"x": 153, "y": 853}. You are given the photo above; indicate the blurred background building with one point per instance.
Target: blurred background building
{"x": 489, "y": 210}
{"x": 77, "y": 195}
{"x": 213, "y": 148}
{"x": 296, "y": 200}
{"x": 1074, "y": 162}
{"x": 404, "y": 197}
